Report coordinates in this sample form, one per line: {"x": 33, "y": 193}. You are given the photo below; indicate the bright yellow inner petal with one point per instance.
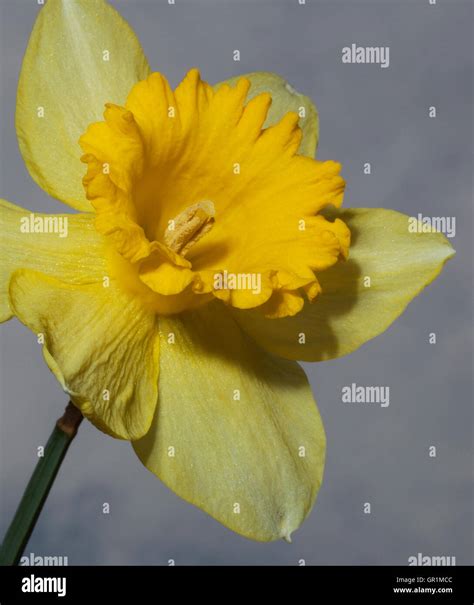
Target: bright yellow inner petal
{"x": 199, "y": 201}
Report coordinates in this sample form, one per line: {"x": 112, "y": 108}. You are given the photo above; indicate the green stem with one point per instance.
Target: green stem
{"x": 38, "y": 487}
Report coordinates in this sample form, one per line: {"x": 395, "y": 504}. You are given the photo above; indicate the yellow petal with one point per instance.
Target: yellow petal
{"x": 169, "y": 153}
{"x": 65, "y": 246}
{"x": 81, "y": 54}
{"x": 284, "y": 99}
{"x": 348, "y": 312}
{"x": 101, "y": 345}
{"x": 236, "y": 432}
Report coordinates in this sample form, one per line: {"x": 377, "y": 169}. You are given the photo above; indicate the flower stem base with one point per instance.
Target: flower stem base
{"x": 38, "y": 487}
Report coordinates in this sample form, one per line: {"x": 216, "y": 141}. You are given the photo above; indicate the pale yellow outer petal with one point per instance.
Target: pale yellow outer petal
{"x": 284, "y": 99}
{"x": 349, "y": 312}
{"x": 73, "y": 253}
{"x": 101, "y": 345}
{"x": 236, "y": 431}
{"x": 81, "y": 55}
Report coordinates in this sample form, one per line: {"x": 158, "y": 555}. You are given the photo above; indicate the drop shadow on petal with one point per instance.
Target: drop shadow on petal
{"x": 340, "y": 291}
{"x": 333, "y": 305}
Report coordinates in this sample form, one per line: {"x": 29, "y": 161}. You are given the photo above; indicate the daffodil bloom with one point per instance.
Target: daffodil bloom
{"x": 208, "y": 255}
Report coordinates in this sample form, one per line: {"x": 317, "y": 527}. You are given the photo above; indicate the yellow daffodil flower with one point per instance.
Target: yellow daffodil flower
{"x": 207, "y": 257}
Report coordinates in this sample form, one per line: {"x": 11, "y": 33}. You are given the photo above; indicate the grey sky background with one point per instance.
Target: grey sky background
{"x": 376, "y": 455}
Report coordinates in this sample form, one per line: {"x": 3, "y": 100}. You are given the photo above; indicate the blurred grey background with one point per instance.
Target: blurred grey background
{"x": 376, "y": 455}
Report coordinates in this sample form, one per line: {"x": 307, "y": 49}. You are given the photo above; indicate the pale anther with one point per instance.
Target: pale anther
{"x": 189, "y": 226}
